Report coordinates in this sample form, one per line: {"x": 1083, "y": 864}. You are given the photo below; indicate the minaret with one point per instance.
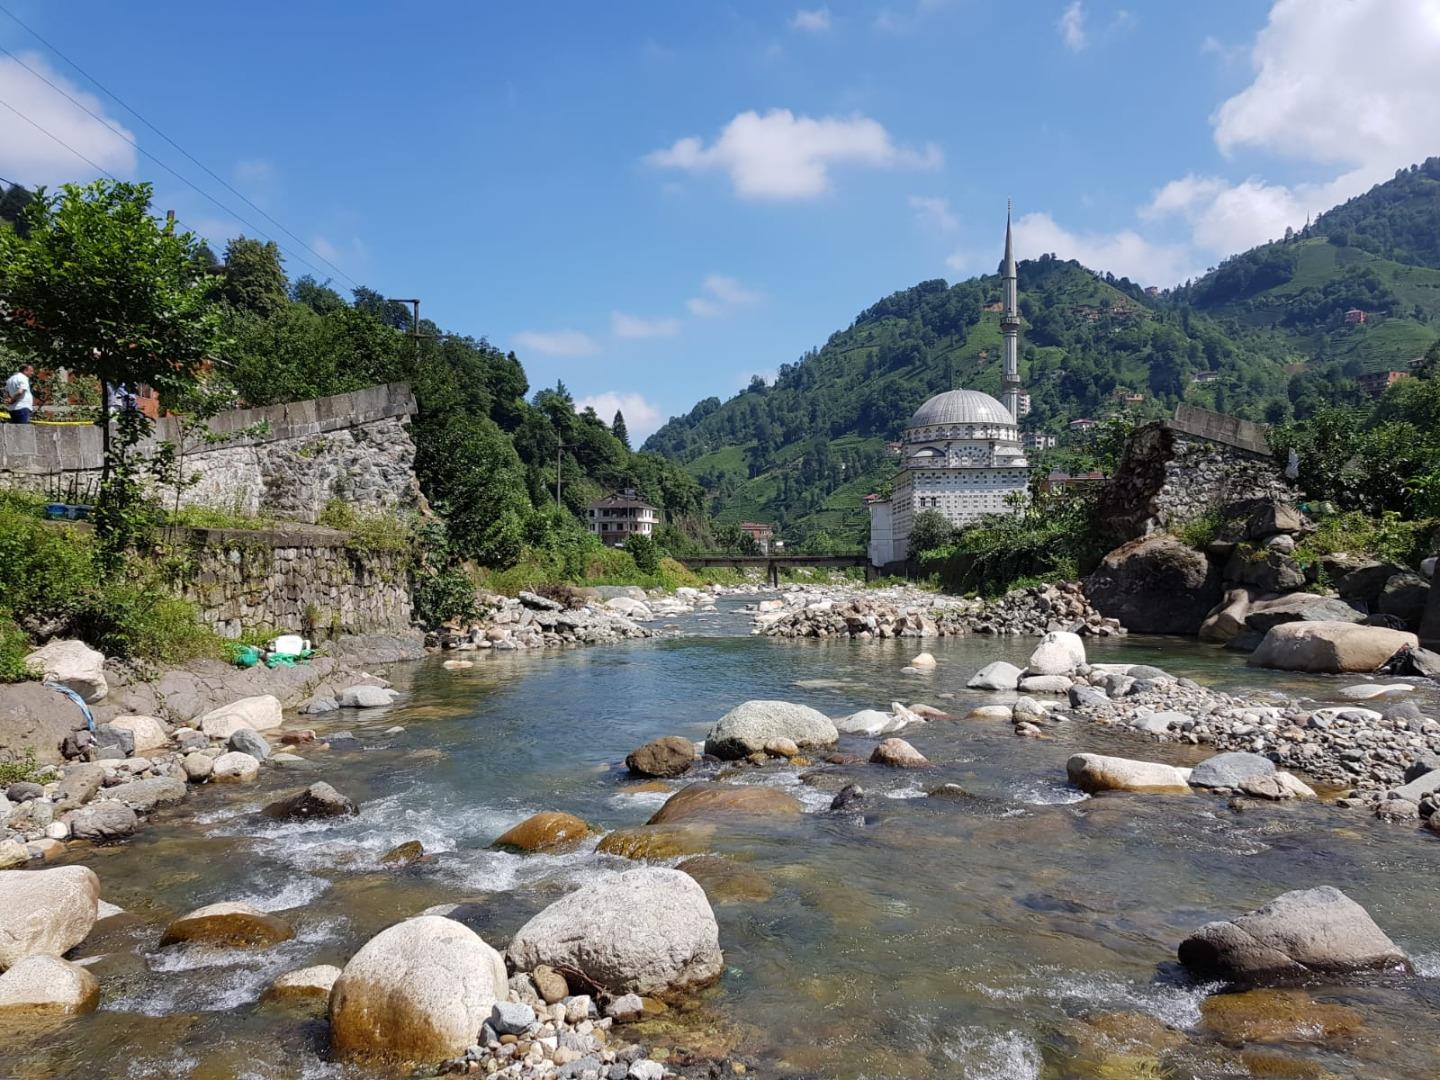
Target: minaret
{"x": 1010, "y": 327}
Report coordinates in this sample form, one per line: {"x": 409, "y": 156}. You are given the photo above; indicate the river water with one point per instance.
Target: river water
{"x": 987, "y": 938}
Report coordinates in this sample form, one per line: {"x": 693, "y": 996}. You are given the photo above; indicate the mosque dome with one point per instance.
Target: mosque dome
{"x": 961, "y": 407}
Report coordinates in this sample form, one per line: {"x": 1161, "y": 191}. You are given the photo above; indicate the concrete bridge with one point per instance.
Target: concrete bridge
{"x": 773, "y": 563}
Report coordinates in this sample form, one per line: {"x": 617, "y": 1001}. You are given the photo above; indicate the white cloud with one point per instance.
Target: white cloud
{"x": 641, "y": 417}
{"x": 1125, "y": 253}
{"x": 814, "y": 21}
{"x": 934, "y": 211}
{"x": 351, "y": 252}
{"x": 257, "y": 178}
{"x": 779, "y": 155}
{"x": 633, "y": 326}
{"x": 32, "y": 157}
{"x": 555, "y": 342}
{"x": 719, "y": 294}
{"x": 1071, "y": 25}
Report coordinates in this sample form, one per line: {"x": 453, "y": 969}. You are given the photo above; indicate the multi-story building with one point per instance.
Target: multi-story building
{"x": 616, "y": 518}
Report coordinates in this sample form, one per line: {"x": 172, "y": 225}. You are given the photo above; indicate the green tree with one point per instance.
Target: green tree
{"x": 930, "y": 531}
{"x": 619, "y": 430}
{"x": 254, "y": 280}
{"x": 644, "y": 551}
{"x": 474, "y": 480}
{"x": 99, "y": 287}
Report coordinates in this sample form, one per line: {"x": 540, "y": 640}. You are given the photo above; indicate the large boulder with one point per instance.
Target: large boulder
{"x": 1308, "y": 930}
{"x": 1266, "y": 570}
{"x": 104, "y": 822}
{"x": 146, "y": 732}
{"x": 1331, "y": 647}
{"x": 658, "y": 842}
{"x": 73, "y": 664}
{"x": 669, "y": 755}
{"x": 319, "y": 800}
{"x": 646, "y": 931}
{"x": 36, "y": 720}
{"x": 46, "y": 912}
{"x": 1226, "y": 619}
{"x": 1230, "y": 770}
{"x": 1059, "y": 653}
{"x": 1155, "y": 585}
{"x": 1430, "y": 621}
{"x": 1273, "y": 517}
{"x": 1264, "y": 615}
{"x": 261, "y": 712}
{"x": 546, "y": 832}
{"x": 702, "y": 801}
{"x": 1363, "y": 581}
{"x": 144, "y": 796}
{"x": 365, "y": 696}
{"x": 417, "y": 992}
{"x": 235, "y": 925}
{"x": 1404, "y": 596}
{"x": 745, "y": 729}
{"x": 1097, "y": 772}
{"x": 235, "y": 767}
{"x": 47, "y": 984}
{"x": 999, "y": 675}
{"x": 898, "y": 754}
{"x": 304, "y": 984}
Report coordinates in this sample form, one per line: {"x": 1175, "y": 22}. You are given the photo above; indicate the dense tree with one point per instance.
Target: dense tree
{"x": 254, "y": 280}
{"x": 619, "y": 430}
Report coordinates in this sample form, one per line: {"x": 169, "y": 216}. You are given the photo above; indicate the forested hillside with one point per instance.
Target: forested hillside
{"x": 1265, "y": 336}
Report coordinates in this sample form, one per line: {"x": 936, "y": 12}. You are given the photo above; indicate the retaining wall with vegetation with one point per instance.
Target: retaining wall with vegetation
{"x": 282, "y": 461}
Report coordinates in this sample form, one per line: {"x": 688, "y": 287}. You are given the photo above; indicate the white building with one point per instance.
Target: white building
{"x": 961, "y": 451}
{"x": 616, "y": 518}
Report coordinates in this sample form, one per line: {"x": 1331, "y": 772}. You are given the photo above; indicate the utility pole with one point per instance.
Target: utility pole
{"x": 415, "y": 320}
{"x": 559, "y": 451}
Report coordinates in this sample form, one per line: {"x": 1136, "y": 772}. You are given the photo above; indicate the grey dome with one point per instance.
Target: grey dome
{"x": 961, "y": 407}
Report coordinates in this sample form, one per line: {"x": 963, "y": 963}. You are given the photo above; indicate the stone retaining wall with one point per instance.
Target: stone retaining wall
{"x": 355, "y": 447}
{"x": 1176, "y": 470}
{"x": 308, "y": 580}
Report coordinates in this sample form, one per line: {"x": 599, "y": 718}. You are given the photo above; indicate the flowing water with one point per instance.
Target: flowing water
{"x": 922, "y": 938}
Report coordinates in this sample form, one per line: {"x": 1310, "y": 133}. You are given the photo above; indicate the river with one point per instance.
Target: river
{"x": 923, "y": 938}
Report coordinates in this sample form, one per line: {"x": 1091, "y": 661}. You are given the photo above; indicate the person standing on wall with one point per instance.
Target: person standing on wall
{"x": 18, "y": 398}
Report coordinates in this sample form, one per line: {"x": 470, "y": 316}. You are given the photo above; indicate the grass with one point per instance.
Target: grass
{"x": 20, "y": 770}
{"x": 1386, "y": 537}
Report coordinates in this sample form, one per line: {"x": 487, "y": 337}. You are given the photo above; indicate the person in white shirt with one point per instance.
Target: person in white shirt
{"x": 18, "y": 398}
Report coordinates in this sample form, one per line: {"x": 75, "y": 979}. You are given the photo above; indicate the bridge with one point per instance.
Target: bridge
{"x": 773, "y": 563}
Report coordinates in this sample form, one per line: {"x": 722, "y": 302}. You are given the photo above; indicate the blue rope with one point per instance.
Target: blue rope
{"x": 73, "y": 696}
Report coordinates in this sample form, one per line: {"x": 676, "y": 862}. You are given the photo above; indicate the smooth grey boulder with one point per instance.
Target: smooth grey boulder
{"x": 1329, "y": 647}
{"x": 104, "y": 822}
{"x": 745, "y": 729}
{"x": 249, "y": 741}
{"x": 1230, "y": 770}
{"x": 367, "y": 697}
{"x": 1299, "y": 607}
{"x": 1059, "y": 653}
{"x": 45, "y": 912}
{"x": 72, "y": 664}
{"x": 647, "y": 931}
{"x": 1155, "y": 584}
{"x": 79, "y": 785}
{"x": 319, "y": 800}
{"x": 37, "y": 720}
{"x": 511, "y": 1017}
{"x": 1000, "y": 675}
{"x": 1308, "y": 930}
{"x": 143, "y": 796}
{"x": 1091, "y": 697}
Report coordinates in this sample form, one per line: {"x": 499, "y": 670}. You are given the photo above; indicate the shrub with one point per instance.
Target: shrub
{"x": 14, "y": 646}
{"x": 643, "y": 550}
{"x": 20, "y": 770}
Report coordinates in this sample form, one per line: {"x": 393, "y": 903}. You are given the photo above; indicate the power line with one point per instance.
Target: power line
{"x": 184, "y": 180}
{"x": 191, "y": 157}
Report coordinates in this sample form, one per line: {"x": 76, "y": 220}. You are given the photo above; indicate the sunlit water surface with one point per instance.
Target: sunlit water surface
{"x": 923, "y": 938}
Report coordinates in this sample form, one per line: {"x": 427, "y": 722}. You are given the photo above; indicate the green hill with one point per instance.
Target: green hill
{"x": 1265, "y": 335}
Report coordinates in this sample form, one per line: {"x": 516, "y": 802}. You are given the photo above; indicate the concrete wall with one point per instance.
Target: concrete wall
{"x": 308, "y": 580}
{"x": 355, "y": 447}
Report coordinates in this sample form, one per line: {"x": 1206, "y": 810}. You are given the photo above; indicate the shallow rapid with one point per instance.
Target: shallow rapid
{"x": 995, "y": 937}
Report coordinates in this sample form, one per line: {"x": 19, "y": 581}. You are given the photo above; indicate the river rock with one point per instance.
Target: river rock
{"x": 305, "y": 984}
{"x": 1045, "y": 684}
{"x": 1059, "y": 653}
{"x": 145, "y": 796}
{"x": 46, "y": 912}
{"x": 1155, "y": 585}
{"x": 197, "y": 766}
{"x": 1271, "y": 1015}
{"x": 991, "y": 712}
{"x": 547, "y": 832}
{"x": 1308, "y": 930}
{"x": 235, "y": 925}
{"x": 725, "y": 881}
{"x": 745, "y": 729}
{"x": 646, "y": 931}
{"x": 104, "y": 822}
{"x": 1331, "y": 647}
{"x": 550, "y": 985}
{"x": 923, "y": 661}
{"x": 1230, "y": 770}
{"x": 147, "y": 732}
{"x": 1276, "y": 787}
{"x": 1226, "y": 619}
{"x": 1299, "y": 607}
{"x": 898, "y": 754}
{"x": 701, "y": 801}
{"x": 1097, "y": 772}
{"x": 249, "y": 741}
{"x": 72, "y": 664}
{"x": 12, "y": 854}
{"x": 261, "y": 712}
{"x": 235, "y": 768}
{"x": 79, "y": 784}
{"x": 418, "y": 991}
{"x": 1088, "y": 697}
{"x": 319, "y": 800}
{"x": 1404, "y": 596}
{"x": 367, "y": 697}
{"x": 657, "y": 842}
{"x": 999, "y": 675}
{"x": 669, "y": 755}
{"x": 869, "y": 722}
{"x": 48, "y": 984}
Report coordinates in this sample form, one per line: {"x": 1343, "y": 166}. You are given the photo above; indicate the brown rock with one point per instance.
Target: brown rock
{"x": 548, "y": 831}
{"x": 1332, "y": 647}
{"x": 1276, "y": 1016}
{"x": 667, "y": 756}
{"x": 404, "y": 854}
{"x": 549, "y": 984}
{"x": 1155, "y": 585}
{"x": 657, "y": 841}
{"x": 234, "y": 925}
{"x": 726, "y": 881}
{"x": 782, "y": 748}
{"x": 898, "y": 754}
{"x": 47, "y": 984}
{"x": 702, "y": 800}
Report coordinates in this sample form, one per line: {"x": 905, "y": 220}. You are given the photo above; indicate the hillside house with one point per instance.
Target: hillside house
{"x": 1355, "y": 317}
{"x": 616, "y": 518}
{"x": 762, "y": 534}
{"x": 1375, "y": 383}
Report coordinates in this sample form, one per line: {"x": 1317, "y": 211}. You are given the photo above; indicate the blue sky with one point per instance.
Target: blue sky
{"x": 653, "y": 202}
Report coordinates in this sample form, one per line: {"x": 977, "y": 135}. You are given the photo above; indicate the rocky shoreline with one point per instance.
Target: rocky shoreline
{"x": 596, "y": 615}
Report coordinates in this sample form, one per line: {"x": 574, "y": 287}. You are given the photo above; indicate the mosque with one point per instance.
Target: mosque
{"x": 960, "y": 453}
